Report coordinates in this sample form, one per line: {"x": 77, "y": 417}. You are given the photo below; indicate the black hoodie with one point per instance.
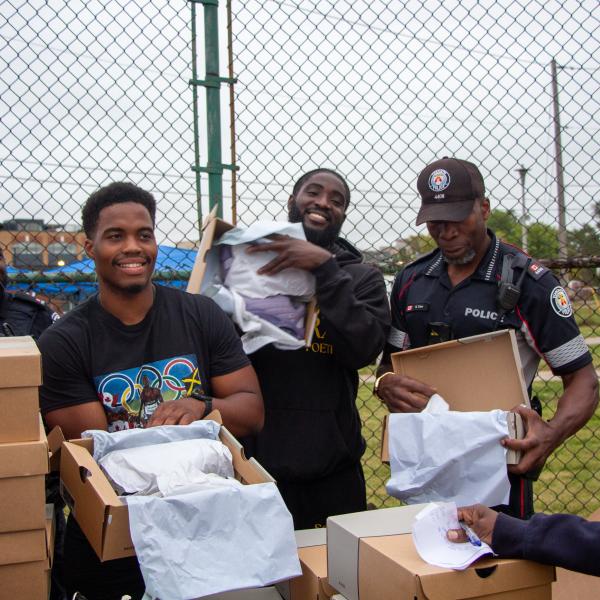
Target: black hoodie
{"x": 312, "y": 427}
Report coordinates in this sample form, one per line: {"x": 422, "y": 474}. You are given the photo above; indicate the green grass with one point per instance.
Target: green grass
{"x": 570, "y": 481}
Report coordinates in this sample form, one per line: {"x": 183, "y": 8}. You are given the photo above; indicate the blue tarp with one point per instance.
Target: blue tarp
{"x": 169, "y": 259}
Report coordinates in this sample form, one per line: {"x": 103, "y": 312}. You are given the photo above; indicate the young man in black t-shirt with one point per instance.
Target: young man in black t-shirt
{"x": 131, "y": 356}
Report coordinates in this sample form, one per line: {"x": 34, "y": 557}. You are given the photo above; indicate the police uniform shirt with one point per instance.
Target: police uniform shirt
{"x": 542, "y": 319}
{"x": 24, "y": 315}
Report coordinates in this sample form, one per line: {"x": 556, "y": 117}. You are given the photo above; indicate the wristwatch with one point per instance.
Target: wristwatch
{"x": 378, "y": 382}
{"x": 208, "y": 401}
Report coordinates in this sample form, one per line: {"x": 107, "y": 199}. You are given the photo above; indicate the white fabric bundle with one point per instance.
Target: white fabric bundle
{"x": 139, "y": 470}
{"x": 244, "y": 279}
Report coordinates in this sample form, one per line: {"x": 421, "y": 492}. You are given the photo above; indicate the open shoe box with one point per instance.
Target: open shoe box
{"x": 477, "y": 373}
{"x": 212, "y": 229}
{"x": 101, "y": 514}
{"x": 371, "y": 555}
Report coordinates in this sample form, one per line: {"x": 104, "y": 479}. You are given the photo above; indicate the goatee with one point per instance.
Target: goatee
{"x": 320, "y": 237}
{"x": 461, "y": 260}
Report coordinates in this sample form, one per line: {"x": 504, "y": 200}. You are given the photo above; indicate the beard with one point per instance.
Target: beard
{"x": 465, "y": 259}
{"x": 320, "y": 237}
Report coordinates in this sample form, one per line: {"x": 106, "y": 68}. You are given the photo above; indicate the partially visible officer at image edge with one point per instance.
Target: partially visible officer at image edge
{"x": 21, "y": 314}
{"x": 470, "y": 285}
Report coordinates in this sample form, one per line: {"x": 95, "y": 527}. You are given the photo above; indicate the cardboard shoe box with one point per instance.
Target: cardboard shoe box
{"x": 20, "y": 376}
{"x": 25, "y": 561}
{"x": 391, "y": 568}
{"x": 478, "y": 373}
{"x": 101, "y": 514}
{"x": 371, "y": 556}
{"x": 23, "y": 466}
{"x": 312, "y": 584}
{"x": 212, "y": 229}
{"x": 481, "y": 372}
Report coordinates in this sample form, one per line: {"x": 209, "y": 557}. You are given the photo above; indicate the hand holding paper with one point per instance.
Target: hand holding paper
{"x": 430, "y": 534}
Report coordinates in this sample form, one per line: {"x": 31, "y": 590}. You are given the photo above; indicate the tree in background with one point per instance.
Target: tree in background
{"x": 542, "y": 242}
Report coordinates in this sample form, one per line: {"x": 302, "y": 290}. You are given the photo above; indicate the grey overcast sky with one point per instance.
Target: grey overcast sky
{"x": 92, "y": 92}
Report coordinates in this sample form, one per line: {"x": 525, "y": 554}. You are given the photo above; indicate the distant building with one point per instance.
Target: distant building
{"x": 32, "y": 244}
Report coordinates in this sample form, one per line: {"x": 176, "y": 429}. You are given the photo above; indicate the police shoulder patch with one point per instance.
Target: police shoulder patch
{"x": 560, "y": 303}
{"x": 536, "y": 270}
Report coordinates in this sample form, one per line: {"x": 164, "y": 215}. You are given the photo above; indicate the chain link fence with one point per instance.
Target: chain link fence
{"x": 93, "y": 92}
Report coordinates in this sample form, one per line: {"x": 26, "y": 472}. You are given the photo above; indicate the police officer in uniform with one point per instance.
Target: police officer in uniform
{"x": 473, "y": 283}
{"x": 21, "y": 314}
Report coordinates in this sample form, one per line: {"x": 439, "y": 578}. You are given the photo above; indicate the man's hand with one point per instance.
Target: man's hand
{"x": 404, "y": 394}
{"x": 539, "y": 442}
{"x": 291, "y": 252}
{"x": 480, "y": 519}
{"x": 178, "y": 412}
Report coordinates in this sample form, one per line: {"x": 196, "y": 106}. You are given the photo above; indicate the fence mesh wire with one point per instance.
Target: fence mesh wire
{"x": 93, "y": 92}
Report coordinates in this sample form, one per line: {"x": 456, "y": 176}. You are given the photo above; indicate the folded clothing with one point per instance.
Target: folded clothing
{"x": 141, "y": 469}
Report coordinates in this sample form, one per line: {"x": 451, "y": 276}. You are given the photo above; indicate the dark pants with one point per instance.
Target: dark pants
{"x": 83, "y": 572}
{"x": 520, "y": 503}
{"x": 311, "y": 502}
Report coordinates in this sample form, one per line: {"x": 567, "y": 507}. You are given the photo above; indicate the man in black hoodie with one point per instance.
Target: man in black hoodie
{"x": 311, "y": 442}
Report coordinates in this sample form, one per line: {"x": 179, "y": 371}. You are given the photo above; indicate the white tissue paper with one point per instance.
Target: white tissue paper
{"x": 105, "y": 442}
{"x": 441, "y": 455}
{"x": 213, "y": 540}
{"x": 207, "y": 534}
{"x": 244, "y": 279}
{"x": 137, "y": 470}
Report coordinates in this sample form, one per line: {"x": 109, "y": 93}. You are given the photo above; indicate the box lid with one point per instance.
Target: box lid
{"x": 212, "y": 229}
{"x": 21, "y": 459}
{"x": 20, "y": 362}
{"x": 489, "y": 362}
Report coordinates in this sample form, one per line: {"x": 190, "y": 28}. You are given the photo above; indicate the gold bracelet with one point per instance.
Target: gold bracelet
{"x": 378, "y": 381}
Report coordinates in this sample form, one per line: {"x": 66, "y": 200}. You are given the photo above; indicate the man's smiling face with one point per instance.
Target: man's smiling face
{"x": 123, "y": 247}
{"x": 320, "y": 205}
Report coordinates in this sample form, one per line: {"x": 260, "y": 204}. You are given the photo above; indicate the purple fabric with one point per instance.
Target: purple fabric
{"x": 281, "y": 311}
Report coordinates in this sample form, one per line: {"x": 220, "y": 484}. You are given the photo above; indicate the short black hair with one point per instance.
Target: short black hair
{"x": 304, "y": 178}
{"x": 114, "y": 193}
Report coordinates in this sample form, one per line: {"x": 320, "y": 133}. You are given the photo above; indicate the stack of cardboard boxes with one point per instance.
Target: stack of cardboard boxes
{"x": 25, "y": 524}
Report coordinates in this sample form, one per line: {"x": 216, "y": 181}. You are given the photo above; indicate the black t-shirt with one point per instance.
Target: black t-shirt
{"x": 89, "y": 356}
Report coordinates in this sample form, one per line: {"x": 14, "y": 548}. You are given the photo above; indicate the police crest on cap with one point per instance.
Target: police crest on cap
{"x": 560, "y": 302}
{"x": 439, "y": 180}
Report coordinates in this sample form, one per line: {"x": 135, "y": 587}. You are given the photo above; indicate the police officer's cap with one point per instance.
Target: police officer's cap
{"x": 448, "y": 189}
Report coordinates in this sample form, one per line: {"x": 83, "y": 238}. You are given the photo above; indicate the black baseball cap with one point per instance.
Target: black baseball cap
{"x": 448, "y": 189}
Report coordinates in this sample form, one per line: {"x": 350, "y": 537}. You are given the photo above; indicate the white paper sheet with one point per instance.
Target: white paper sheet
{"x": 429, "y": 536}
{"x": 213, "y": 540}
{"x": 448, "y": 456}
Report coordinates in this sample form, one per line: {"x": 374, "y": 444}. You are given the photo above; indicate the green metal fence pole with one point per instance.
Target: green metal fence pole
{"x": 196, "y": 167}
{"x": 213, "y": 105}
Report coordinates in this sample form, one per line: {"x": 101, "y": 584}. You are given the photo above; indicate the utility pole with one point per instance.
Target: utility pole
{"x": 522, "y": 171}
{"x": 560, "y": 192}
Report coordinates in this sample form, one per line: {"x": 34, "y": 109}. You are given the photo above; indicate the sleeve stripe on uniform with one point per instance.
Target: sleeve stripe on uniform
{"x": 568, "y": 352}
{"x": 396, "y": 338}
